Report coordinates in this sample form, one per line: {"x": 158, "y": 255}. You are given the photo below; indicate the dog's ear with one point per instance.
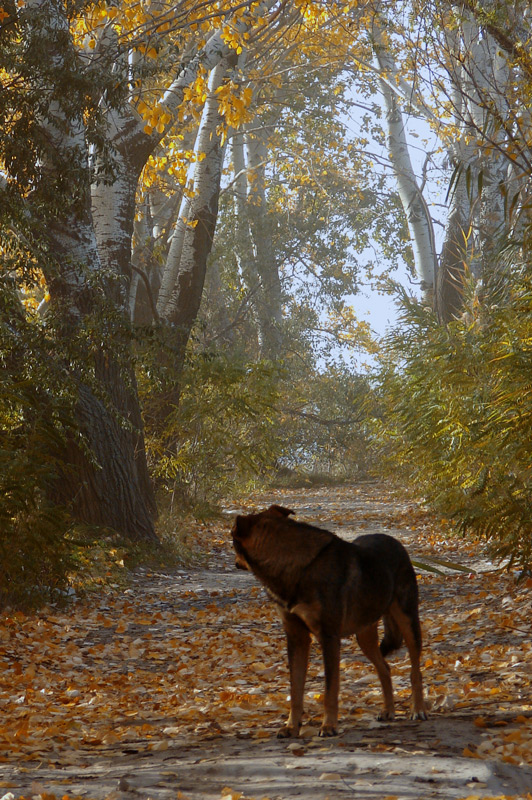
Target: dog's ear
{"x": 242, "y": 526}
{"x": 280, "y": 511}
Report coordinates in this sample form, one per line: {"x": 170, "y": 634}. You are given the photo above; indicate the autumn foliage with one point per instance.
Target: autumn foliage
{"x": 183, "y": 660}
{"x": 458, "y": 412}
{"x": 202, "y": 326}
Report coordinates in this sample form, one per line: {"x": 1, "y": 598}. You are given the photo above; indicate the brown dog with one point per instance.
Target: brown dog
{"x": 333, "y": 588}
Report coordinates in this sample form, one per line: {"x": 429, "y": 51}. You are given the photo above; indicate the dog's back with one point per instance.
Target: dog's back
{"x": 389, "y": 570}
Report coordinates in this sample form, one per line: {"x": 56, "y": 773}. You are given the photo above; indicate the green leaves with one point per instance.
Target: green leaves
{"x": 459, "y": 402}
{"x": 36, "y": 412}
{"x": 222, "y": 434}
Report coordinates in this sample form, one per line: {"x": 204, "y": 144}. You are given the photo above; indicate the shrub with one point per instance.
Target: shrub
{"x": 459, "y": 412}
{"x": 240, "y": 422}
{"x": 221, "y": 437}
{"x": 35, "y": 412}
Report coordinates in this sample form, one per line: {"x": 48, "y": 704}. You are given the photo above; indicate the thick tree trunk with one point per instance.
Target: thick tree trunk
{"x": 476, "y": 221}
{"x": 104, "y": 480}
{"x": 448, "y": 299}
{"x": 456, "y": 254}
{"x": 100, "y": 484}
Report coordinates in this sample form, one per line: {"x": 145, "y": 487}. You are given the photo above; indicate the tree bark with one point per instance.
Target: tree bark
{"x": 268, "y": 299}
{"x": 243, "y": 251}
{"x": 104, "y": 480}
{"x": 196, "y": 229}
{"x": 414, "y": 206}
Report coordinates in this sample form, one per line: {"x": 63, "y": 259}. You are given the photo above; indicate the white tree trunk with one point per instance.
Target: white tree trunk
{"x": 182, "y": 305}
{"x": 268, "y": 299}
{"x": 173, "y": 259}
{"x": 74, "y": 237}
{"x": 414, "y": 206}
{"x": 487, "y": 85}
{"x": 110, "y": 486}
{"x": 244, "y": 254}
{"x": 114, "y": 204}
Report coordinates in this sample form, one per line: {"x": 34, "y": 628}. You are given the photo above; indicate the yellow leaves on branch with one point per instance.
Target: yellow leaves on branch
{"x": 234, "y": 103}
{"x": 130, "y": 20}
{"x": 157, "y": 117}
{"x": 195, "y": 95}
{"x": 32, "y": 294}
{"x": 315, "y": 13}
{"x": 232, "y": 38}
{"x": 350, "y": 330}
{"x": 174, "y": 165}
{"x": 135, "y": 21}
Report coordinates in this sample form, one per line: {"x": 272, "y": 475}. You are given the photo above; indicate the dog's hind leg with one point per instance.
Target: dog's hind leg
{"x": 411, "y": 630}
{"x": 298, "y": 646}
{"x": 368, "y": 640}
{"x": 393, "y": 637}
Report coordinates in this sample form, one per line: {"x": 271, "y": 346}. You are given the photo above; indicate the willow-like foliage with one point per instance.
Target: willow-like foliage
{"x": 459, "y": 410}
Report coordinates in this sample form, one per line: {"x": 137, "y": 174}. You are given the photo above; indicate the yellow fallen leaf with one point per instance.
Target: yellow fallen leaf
{"x": 262, "y": 733}
{"x": 514, "y": 736}
{"x": 230, "y": 794}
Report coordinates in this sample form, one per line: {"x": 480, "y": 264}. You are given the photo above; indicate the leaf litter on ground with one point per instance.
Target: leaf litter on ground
{"x": 132, "y": 669}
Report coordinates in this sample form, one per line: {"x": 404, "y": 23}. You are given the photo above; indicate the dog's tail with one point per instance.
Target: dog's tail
{"x": 393, "y": 638}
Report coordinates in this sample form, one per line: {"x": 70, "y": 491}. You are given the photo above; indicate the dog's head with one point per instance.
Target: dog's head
{"x": 243, "y": 528}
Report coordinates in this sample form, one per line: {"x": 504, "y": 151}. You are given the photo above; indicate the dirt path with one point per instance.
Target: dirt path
{"x": 175, "y": 687}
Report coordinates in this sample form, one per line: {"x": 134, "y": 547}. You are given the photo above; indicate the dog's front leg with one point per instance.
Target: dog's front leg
{"x": 331, "y": 660}
{"x": 298, "y": 646}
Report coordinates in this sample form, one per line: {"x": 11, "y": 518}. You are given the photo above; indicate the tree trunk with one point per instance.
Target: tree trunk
{"x": 414, "y": 206}
{"x": 456, "y": 255}
{"x": 268, "y": 299}
{"x": 243, "y": 251}
{"x": 479, "y": 78}
{"x": 100, "y": 484}
{"x": 448, "y": 299}
{"x": 104, "y": 480}
{"x": 197, "y": 228}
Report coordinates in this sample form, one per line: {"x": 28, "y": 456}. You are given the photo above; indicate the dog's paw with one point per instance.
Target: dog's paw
{"x": 386, "y": 716}
{"x": 286, "y": 732}
{"x": 419, "y": 715}
{"x": 328, "y": 730}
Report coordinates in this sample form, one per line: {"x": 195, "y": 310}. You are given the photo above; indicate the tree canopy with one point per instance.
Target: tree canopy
{"x": 190, "y": 197}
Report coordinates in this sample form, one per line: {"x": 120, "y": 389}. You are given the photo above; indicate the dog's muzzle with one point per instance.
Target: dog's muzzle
{"x": 240, "y": 563}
